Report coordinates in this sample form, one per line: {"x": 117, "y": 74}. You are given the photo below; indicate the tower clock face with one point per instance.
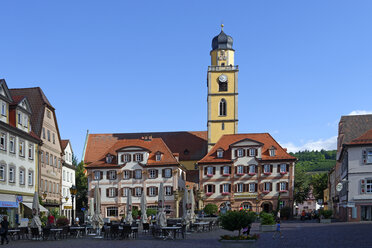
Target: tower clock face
{"x": 222, "y": 78}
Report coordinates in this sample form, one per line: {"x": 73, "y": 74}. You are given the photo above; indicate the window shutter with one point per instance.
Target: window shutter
{"x": 221, "y": 188}
{"x": 271, "y": 186}
{"x": 255, "y": 152}
{"x": 107, "y": 192}
{"x": 133, "y": 191}
{"x": 134, "y": 157}
{"x": 245, "y": 187}
{"x": 141, "y": 157}
{"x": 271, "y": 168}
{"x": 255, "y": 187}
{"x": 122, "y": 192}
{"x": 214, "y": 170}
{"x": 107, "y": 175}
{"x": 243, "y": 152}
{"x": 287, "y": 167}
{"x": 221, "y": 170}
{"x": 245, "y": 169}
{"x": 116, "y": 192}
{"x": 205, "y": 188}
{"x": 229, "y": 187}
{"x": 214, "y": 188}
{"x": 205, "y": 170}
{"x": 172, "y": 190}
{"x": 256, "y": 168}
{"x": 148, "y": 191}
{"x": 286, "y": 186}
{"x": 364, "y": 157}
{"x": 362, "y": 186}
{"x": 236, "y": 153}
{"x": 163, "y": 172}
{"x": 278, "y": 168}
{"x": 277, "y": 186}
{"x": 235, "y": 188}
{"x": 156, "y": 173}
{"x": 129, "y": 158}
{"x": 156, "y": 190}
{"x": 229, "y": 169}
{"x": 100, "y": 175}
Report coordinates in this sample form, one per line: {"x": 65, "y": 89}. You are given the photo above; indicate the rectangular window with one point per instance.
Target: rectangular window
{"x": 51, "y": 159}
{"x": 3, "y": 141}
{"x": 158, "y": 157}
{"x": 226, "y": 170}
{"x": 21, "y": 148}
{"x": 267, "y": 169}
{"x": 112, "y": 212}
{"x": 22, "y": 177}
{"x": 12, "y": 144}
{"x": 239, "y": 188}
{"x": 168, "y": 190}
{"x": 48, "y": 113}
{"x": 112, "y": 175}
{"x": 369, "y": 157}
{"x": 48, "y": 135}
{"x": 252, "y": 169}
{"x": 137, "y": 191}
{"x": 209, "y": 188}
{"x": 152, "y": 191}
{"x": 240, "y": 169}
{"x": 240, "y": 152}
{"x": 125, "y": 191}
{"x": 126, "y": 174}
{"x": 3, "y": 108}
{"x": 168, "y": 173}
{"x": 138, "y": 174}
{"x": 152, "y": 174}
{"x": 369, "y": 185}
{"x": 252, "y": 152}
{"x": 252, "y": 187}
{"x": 97, "y": 175}
{"x": 272, "y": 152}
{"x": 112, "y": 192}
{"x": 25, "y": 120}
{"x": 30, "y": 151}
{"x": 2, "y": 172}
{"x": 19, "y": 118}
{"x": 43, "y": 132}
{"x": 267, "y": 187}
{"x": 12, "y": 175}
{"x": 225, "y": 188}
{"x": 283, "y": 186}
{"x": 210, "y": 171}
{"x": 138, "y": 157}
{"x": 283, "y": 168}
{"x": 219, "y": 153}
{"x": 54, "y": 138}
{"x": 57, "y": 189}
{"x": 126, "y": 158}
{"x": 47, "y": 158}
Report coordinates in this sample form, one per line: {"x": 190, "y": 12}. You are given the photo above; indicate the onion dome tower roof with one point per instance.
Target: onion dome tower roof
{"x": 222, "y": 41}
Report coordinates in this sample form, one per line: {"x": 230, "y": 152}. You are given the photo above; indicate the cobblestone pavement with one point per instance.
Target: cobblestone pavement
{"x": 296, "y": 234}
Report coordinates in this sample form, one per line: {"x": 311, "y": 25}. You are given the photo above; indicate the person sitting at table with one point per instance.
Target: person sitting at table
{"x": 77, "y": 222}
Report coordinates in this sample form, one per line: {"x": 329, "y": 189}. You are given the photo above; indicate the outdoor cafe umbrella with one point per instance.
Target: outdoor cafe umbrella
{"x": 35, "y": 212}
{"x": 161, "y": 219}
{"x": 129, "y": 218}
{"x": 192, "y": 206}
{"x": 185, "y": 204}
{"x": 91, "y": 209}
{"x": 143, "y": 209}
{"x": 97, "y": 220}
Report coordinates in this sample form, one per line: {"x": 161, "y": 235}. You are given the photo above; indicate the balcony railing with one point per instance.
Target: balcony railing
{"x": 223, "y": 68}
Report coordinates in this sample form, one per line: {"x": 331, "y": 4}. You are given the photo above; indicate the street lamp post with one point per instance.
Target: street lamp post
{"x": 73, "y": 192}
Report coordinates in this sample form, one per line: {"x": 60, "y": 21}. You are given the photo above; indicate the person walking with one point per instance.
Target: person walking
{"x": 4, "y": 230}
{"x": 277, "y": 229}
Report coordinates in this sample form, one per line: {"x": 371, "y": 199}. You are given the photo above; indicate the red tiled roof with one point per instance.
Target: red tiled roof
{"x": 226, "y": 141}
{"x": 154, "y": 145}
{"x": 17, "y": 99}
{"x": 366, "y": 138}
{"x": 189, "y": 145}
{"x": 64, "y": 144}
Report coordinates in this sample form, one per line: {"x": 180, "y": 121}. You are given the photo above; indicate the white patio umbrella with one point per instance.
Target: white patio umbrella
{"x": 185, "y": 202}
{"x": 90, "y": 210}
{"x": 161, "y": 219}
{"x": 35, "y": 212}
{"x": 192, "y": 206}
{"x": 97, "y": 220}
{"x": 129, "y": 217}
{"x": 143, "y": 208}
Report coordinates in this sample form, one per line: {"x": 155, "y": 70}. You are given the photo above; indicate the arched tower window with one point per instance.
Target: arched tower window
{"x": 223, "y": 107}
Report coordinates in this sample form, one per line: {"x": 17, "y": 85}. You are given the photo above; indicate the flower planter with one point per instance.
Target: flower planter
{"x": 283, "y": 173}
{"x": 238, "y": 243}
{"x": 267, "y": 228}
{"x": 267, "y": 173}
{"x": 325, "y": 221}
{"x": 251, "y": 174}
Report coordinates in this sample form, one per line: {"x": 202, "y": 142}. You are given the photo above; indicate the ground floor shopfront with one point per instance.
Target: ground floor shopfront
{"x": 354, "y": 212}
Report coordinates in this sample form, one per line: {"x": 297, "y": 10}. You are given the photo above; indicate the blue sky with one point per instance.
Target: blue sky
{"x": 141, "y": 66}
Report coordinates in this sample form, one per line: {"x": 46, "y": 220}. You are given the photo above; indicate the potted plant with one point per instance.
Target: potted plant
{"x": 238, "y": 221}
{"x": 325, "y": 216}
{"x": 267, "y": 222}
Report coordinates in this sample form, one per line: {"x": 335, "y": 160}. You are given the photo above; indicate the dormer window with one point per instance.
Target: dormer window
{"x": 219, "y": 153}
{"x": 138, "y": 157}
{"x": 125, "y": 158}
{"x": 109, "y": 158}
{"x": 252, "y": 152}
{"x": 240, "y": 152}
{"x": 272, "y": 152}
{"x": 158, "y": 156}
{"x": 3, "y": 108}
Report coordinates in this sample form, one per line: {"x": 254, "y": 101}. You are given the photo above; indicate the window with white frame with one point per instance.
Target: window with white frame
{"x": 240, "y": 152}
{"x": 252, "y": 187}
{"x": 252, "y": 152}
{"x": 267, "y": 187}
{"x": 272, "y": 152}
{"x": 112, "y": 175}
{"x": 111, "y": 192}
{"x": 137, "y": 191}
{"x": 283, "y": 168}
{"x": 209, "y": 188}
{"x": 2, "y": 172}
{"x": 12, "y": 144}
{"x": 152, "y": 191}
{"x": 209, "y": 170}
{"x": 22, "y": 176}
{"x": 3, "y": 108}
{"x": 3, "y": 141}
{"x": 97, "y": 175}
{"x": 125, "y": 192}
{"x": 267, "y": 168}
{"x": 112, "y": 212}
{"x": 168, "y": 190}
{"x": 11, "y": 174}
{"x": 239, "y": 188}
{"x": 240, "y": 169}
{"x": 283, "y": 186}
{"x": 252, "y": 169}
{"x": 158, "y": 157}
{"x": 226, "y": 170}
{"x": 369, "y": 186}
{"x": 48, "y": 135}
{"x": 226, "y": 188}
{"x": 139, "y": 157}
{"x": 152, "y": 174}
{"x": 31, "y": 151}
{"x": 168, "y": 173}
{"x": 138, "y": 174}
{"x": 126, "y": 174}
{"x": 219, "y": 153}
{"x": 126, "y": 157}
{"x": 25, "y": 123}
{"x": 369, "y": 156}
{"x": 19, "y": 118}
{"x": 47, "y": 158}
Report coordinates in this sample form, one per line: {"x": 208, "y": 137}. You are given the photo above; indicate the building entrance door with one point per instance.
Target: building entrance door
{"x": 366, "y": 213}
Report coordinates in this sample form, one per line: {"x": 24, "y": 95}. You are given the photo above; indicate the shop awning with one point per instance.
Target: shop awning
{"x": 29, "y": 205}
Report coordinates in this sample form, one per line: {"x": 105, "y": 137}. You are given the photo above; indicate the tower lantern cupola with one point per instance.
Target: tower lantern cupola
{"x": 222, "y": 41}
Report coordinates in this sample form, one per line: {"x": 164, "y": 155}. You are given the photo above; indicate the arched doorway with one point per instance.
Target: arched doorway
{"x": 267, "y": 207}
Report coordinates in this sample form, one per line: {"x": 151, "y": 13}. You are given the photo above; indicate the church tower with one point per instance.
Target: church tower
{"x": 222, "y": 89}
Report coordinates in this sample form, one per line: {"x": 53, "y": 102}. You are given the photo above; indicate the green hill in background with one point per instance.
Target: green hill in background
{"x": 315, "y": 161}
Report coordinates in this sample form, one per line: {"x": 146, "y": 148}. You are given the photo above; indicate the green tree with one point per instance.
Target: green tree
{"x": 301, "y": 185}
{"x": 319, "y": 183}
{"x": 210, "y": 209}
{"x": 237, "y": 220}
{"x": 81, "y": 186}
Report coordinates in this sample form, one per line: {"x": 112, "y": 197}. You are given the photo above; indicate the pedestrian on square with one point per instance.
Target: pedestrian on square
{"x": 4, "y": 230}
{"x": 278, "y": 229}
